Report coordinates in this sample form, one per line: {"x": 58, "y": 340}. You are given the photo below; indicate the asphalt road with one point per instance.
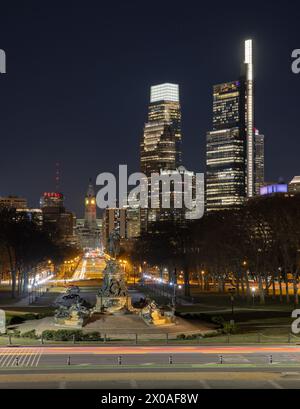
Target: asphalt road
{"x": 194, "y": 367}
{"x": 89, "y": 268}
{"x": 47, "y": 357}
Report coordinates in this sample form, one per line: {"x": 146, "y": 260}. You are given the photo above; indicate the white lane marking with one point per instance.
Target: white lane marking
{"x": 31, "y": 355}
{"x": 18, "y": 356}
{"x": 24, "y": 356}
{"x": 204, "y": 384}
{"x": 133, "y": 384}
{"x": 7, "y": 356}
{"x": 62, "y": 385}
{"x": 276, "y": 385}
{"x": 3, "y": 355}
{"x": 34, "y": 357}
{"x": 39, "y": 357}
{"x": 12, "y": 359}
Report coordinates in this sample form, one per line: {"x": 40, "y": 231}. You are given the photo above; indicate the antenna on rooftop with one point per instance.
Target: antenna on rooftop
{"x": 57, "y": 176}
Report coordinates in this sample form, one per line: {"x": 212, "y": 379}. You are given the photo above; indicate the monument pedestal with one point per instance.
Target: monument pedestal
{"x": 112, "y": 304}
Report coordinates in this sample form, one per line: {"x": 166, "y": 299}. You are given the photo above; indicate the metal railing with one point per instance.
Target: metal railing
{"x": 107, "y": 338}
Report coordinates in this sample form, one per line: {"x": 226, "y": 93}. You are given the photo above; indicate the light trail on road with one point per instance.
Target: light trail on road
{"x": 136, "y": 350}
{"x": 89, "y": 268}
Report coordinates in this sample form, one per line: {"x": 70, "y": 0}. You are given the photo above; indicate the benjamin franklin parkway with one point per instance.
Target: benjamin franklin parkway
{"x": 149, "y": 202}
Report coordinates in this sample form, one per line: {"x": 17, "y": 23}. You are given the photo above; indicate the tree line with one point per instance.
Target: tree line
{"x": 258, "y": 243}
{"x": 24, "y": 245}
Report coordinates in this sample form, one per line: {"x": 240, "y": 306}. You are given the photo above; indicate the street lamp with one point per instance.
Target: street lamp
{"x": 232, "y": 292}
{"x": 175, "y": 286}
{"x": 253, "y": 289}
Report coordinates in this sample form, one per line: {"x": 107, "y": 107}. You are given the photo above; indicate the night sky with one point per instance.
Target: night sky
{"x": 79, "y": 72}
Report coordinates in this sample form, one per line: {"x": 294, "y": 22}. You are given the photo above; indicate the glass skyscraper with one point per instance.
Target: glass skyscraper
{"x": 160, "y": 148}
{"x": 165, "y": 106}
{"x": 232, "y": 146}
{"x": 259, "y": 161}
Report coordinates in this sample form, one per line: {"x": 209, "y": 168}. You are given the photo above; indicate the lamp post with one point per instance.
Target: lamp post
{"x": 232, "y": 292}
{"x": 253, "y": 289}
{"x": 203, "y": 280}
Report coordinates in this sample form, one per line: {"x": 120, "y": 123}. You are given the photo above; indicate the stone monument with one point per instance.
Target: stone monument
{"x": 153, "y": 315}
{"x": 75, "y": 316}
{"x": 113, "y": 296}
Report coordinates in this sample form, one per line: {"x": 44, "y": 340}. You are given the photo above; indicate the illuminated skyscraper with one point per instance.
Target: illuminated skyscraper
{"x": 248, "y": 106}
{"x": 165, "y": 108}
{"x": 158, "y": 147}
{"x": 234, "y": 172}
{"x": 161, "y": 142}
{"x": 259, "y": 161}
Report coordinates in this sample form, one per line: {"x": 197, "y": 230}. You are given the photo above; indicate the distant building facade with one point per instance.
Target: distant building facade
{"x": 21, "y": 206}
{"x": 14, "y": 202}
{"x": 294, "y": 185}
{"x": 114, "y": 219}
{"x": 59, "y": 221}
{"x": 273, "y": 189}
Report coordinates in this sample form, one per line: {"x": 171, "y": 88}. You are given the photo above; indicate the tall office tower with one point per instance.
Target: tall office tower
{"x": 248, "y": 108}
{"x": 165, "y": 106}
{"x": 158, "y": 147}
{"x": 259, "y": 161}
{"x": 90, "y": 215}
{"x": 230, "y": 157}
{"x": 161, "y": 141}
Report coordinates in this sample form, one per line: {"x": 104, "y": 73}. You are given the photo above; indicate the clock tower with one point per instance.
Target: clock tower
{"x": 90, "y": 207}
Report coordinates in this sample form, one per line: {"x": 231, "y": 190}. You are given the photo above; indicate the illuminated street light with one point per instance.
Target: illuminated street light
{"x": 253, "y": 289}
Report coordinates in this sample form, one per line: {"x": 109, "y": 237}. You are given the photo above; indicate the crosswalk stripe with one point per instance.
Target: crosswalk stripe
{"x": 23, "y": 357}
{"x": 39, "y": 357}
{"x": 29, "y": 358}
{"x": 204, "y": 384}
{"x": 2, "y": 352}
{"x": 17, "y": 355}
{"x": 275, "y": 385}
{"x": 35, "y": 358}
{"x": 26, "y": 357}
{"x": 6, "y": 357}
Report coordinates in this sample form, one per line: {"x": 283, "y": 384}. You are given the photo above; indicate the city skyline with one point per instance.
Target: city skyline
{"x": 149, "y": 198}
{"x": 58, "y": 131}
